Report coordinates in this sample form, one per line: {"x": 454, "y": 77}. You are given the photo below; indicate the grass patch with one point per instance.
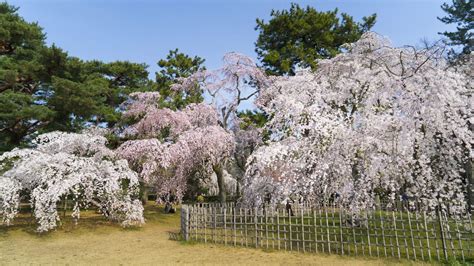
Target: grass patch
{"x": 94, "y": 240}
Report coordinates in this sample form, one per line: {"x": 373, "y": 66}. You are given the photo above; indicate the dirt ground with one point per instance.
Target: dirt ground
{"x": 97, "y": 242}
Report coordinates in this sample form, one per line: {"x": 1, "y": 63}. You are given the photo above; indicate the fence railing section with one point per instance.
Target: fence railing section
{"x": 406, "y": 234}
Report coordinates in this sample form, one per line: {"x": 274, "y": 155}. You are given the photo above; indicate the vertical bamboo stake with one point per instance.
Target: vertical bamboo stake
{"x": 256, "y": 229}
{"x": 396, "y": 234}
{"x": 354, "y": 234}
{"x": 404, "y": 235}
{"x": 278, "y": 228}
{"x": 315, "y": 232}
{"x": 412, "y": 240}
{"x": 302, "y": 230}
{"x": 334, "y": 228}
{"x": 469, "y": 243}
{"x": 225, "y": 225}
{"x": 374, "y": 218}
{"x": 427, "y": 236}
{"x": 241, "y": 228}
{"x": 214, "y": 215}
{"x": 246, "y": 230}
{"x": 443, "y": 240}
{"x": 383, "y": 234}
{"x": 368, "y": 233}
{"x": 417, "y": 220}
{"x": 234, "y": 226}
{"x": 205, "y": 224}
{"x": 390, "y": 237}
{"x": 195, "y": 221}
{"x": 436, "y": 240}
{"x": 289, "y": 225}
{"x": 321, "y": 227}
{"x": 362, "y": 238}
{"x": 273, "y": 228}
{"x": 341, "y": 212}
{"x": 448, "y": 233}
{"x": 266, "y": 227}
{"x": 327, "y": 230}
{"x": 285, "y": 230}
{"x": 459, "y": 239}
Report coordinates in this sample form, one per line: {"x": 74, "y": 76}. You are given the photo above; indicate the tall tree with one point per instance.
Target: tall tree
{"x": 22, "y": 53}
{"x": 461, "y": 14}
{"x": 43, "y": 88}
{"x": 178, "y": 65}
{"x": 375, "y": 121}
{"x": 169, "y": 148}
{"x": 236, "y": 82}
{"x": 299, "y": 36}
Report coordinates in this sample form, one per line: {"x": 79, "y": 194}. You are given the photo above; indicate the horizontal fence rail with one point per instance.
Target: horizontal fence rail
{"x": 408, "y": 234}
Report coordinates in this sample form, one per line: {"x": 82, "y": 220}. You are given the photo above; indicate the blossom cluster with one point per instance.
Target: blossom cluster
{"x": 168, "y": 146}
{"x": 73, "y": 166}
{"x": 373, "y": 122}
{"x": 238, "y": 80}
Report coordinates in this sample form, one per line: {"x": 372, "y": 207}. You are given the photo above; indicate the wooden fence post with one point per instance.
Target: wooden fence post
{"x": 185, "y": 222}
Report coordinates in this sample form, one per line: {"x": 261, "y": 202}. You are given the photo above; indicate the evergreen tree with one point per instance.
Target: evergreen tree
{"x": 461, "y": 14}
{"x": 178, "y": 65}
{"x": 43, "y": 88}
{"x": 299, "y": 36}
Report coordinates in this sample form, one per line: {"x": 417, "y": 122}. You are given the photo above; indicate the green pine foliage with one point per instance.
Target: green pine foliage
{"x": 42, "y": 88}
{"x": 178, "y": 65}
{"x": 299, "y": 36}
{"x": 461, "y": 14}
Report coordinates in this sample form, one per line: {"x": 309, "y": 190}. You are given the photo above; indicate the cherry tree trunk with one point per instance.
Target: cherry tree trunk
{"x": 220, "y": 182}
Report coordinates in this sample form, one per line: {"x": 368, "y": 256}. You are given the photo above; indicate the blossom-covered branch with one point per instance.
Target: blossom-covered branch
{"x": 373, "y": 122}
{"x": 69, "y": 165}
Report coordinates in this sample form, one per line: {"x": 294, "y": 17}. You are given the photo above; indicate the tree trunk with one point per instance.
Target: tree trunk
{"x": 144, "y": 193}
{"x": 220, "y": 182}
{"x": 469, "y": 173}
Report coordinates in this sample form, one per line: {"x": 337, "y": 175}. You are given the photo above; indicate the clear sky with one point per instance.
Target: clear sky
{"x": 145, "y": 30}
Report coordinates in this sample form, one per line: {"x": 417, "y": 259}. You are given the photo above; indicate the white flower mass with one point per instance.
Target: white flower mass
{"x": 373, "y": 121}
{"x": 74, "y": 165}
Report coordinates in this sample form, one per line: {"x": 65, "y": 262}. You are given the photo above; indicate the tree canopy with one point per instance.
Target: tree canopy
{"x": 375, "y": 121}
{"x": 178, "y": 65}
{"x": 299, "y": 36}
{"x": 44, "y": 89}
{"x": 461, "y": 14}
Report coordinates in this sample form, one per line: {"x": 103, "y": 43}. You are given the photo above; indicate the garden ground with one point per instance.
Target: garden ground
{"x": 97, "y": 241}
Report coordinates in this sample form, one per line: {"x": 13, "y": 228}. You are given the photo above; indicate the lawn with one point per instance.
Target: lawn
{"x": 97, "y": 241}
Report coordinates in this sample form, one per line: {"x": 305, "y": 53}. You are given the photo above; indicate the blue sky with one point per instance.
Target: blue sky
{"x": 145, "y": 30}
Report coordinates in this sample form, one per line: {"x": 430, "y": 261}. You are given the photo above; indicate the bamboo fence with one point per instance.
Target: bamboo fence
{"x": 403, "y": 233}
